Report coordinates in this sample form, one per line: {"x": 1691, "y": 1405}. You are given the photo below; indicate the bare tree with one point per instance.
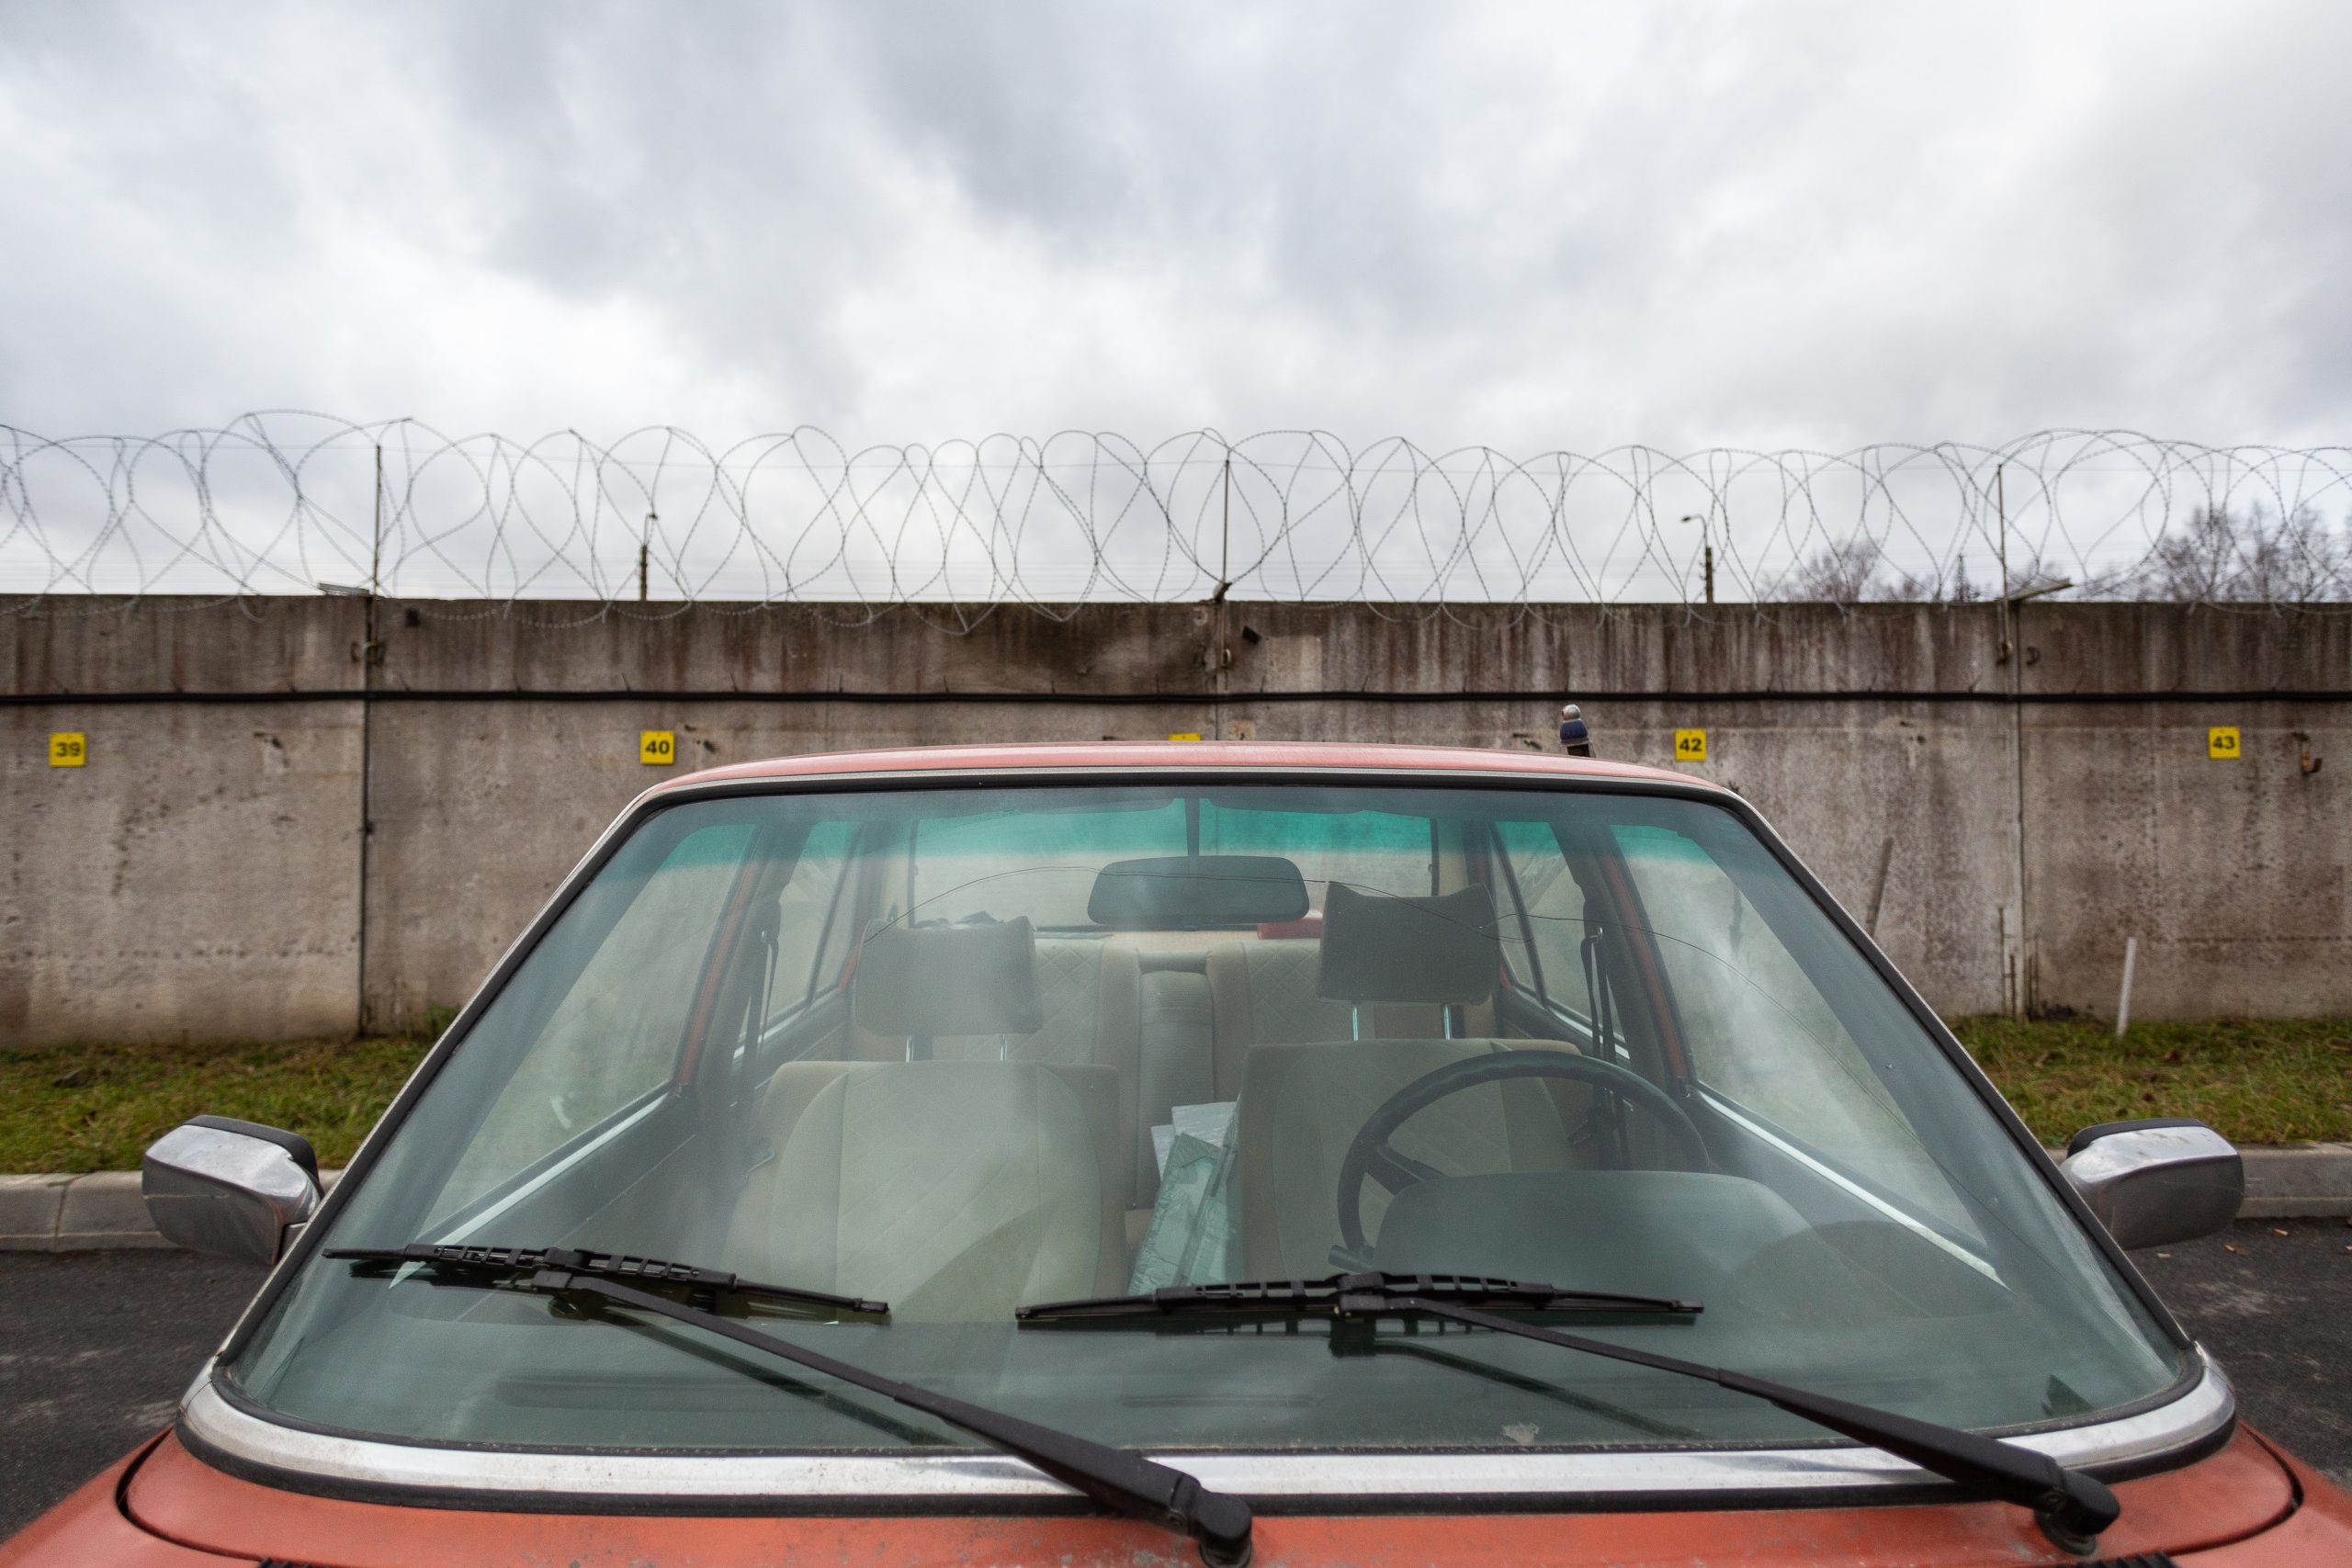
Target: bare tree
{"x": 2259, "y": 558}
{"x": 1840, "y": 573}
{"x": 1856, "y": 569}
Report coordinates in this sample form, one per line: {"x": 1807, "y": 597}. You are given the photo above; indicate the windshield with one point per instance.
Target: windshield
{"x": 963, "y": 1050}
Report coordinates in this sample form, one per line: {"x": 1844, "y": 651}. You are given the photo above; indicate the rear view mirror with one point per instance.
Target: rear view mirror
{"x": 231, "y": 1188}
{"x": 2157, "y": 1182}
{"x": 1191, "y": 893}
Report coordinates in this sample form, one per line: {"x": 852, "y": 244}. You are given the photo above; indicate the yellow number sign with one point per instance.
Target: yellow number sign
{"x": 1690, "y": 745}
{"x": 1195, "y": 736}
{"x": 656, "y": 747}
{"x": 68, "y": 749}
{"x": 2222, "y": 740}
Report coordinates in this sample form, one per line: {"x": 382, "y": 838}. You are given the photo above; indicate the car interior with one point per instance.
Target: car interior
{"x": 962, "y": 1116}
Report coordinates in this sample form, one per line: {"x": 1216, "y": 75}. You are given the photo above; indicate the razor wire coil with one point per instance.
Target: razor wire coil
{"x": 294, "y": 503}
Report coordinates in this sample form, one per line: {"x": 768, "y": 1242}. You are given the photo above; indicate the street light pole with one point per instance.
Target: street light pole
{"x": 1707, "y": 547}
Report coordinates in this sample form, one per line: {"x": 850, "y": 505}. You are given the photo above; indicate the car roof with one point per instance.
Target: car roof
{"x": 1161, "y": 755}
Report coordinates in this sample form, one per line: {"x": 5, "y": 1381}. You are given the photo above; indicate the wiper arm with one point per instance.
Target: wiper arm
{"x": 520, "y": 1262}
{"x": 1349, "y": 1296}
{"x": 1123, "y": 1482}
{"x": 2071, "y": 1507}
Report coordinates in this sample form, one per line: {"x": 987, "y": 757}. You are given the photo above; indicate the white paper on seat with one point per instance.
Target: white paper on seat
{"x": 1212, "y": 1125}
{"x": 1191, "y": 1238}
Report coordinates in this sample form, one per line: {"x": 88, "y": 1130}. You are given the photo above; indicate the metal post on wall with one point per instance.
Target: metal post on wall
{"x": 1220, "y": 657}
{"x": 2001, "y": 508}
{"x": 368, "y": 653}
{"x": 2023, "y": 984}
{"x": 376, "y": 534}
{"x": 1225, "y": 538}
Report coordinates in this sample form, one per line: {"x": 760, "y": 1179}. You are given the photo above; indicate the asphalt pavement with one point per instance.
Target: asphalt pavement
{"x": 95, "y": 1350}
{"x": 96, "y": 1347}
{"x": 2272, "y": 1300}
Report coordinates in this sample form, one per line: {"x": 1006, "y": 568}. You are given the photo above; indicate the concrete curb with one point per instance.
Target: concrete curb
{"x": 2291, "y": 1180}
{"x": 73, "y": 1213}
{"x": 63, "y": 1212}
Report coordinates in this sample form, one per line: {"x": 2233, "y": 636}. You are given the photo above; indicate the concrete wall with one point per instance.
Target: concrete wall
{"x": 201, "y": 876}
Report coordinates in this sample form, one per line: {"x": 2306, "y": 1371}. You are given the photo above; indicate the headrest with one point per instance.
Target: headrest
{"x": 931, "y": 980}
{"x": 1380, "y": 949}
{"x": 1190, "y": 893}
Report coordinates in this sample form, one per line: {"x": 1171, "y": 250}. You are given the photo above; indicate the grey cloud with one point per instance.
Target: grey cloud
{"x": 1533, "y": 226}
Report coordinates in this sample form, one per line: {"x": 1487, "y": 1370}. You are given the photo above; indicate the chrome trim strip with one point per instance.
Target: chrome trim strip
{"x": 1851, "y": 1188}
{"x": 2204, "y": 1409}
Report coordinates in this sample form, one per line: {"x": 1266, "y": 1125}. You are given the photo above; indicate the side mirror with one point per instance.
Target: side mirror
{"x": 2157, "y": 1182}
{"x": 232, "y": 1188}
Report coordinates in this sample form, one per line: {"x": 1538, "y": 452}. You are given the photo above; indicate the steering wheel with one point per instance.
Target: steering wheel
{"x": 1371, "y": 1156}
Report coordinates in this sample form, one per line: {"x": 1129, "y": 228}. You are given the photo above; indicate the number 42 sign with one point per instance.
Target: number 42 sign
{"x": 1690, "y": 745}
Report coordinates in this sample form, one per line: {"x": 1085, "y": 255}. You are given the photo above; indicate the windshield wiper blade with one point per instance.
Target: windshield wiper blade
{"x": 516, "y": 1262}
{"x": 1121, "y": 1480}
{"x": 2071, "y": 1507}
{"x": 1346, "y": 1295}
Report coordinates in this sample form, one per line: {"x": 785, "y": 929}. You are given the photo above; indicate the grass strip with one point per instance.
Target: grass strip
{"x": 2255, "y": 1080}
{"x": 77, "y": 1108}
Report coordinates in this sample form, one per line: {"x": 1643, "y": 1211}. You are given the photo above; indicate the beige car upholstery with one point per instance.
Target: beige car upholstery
{"x": 955, "y": 1190}
{"x": 925, "y": 981}
{"x": 1268, "y": 993}
{"x": 1176, "y": 1059}
{"x": 1082, "y": 999}
{"x": 1085, "y": 991}
{"x": 794, "y": 1086}
{"x": 1302, "y": 1105}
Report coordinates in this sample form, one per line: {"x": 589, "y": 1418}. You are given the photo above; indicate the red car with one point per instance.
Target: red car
{"x": 1275, "y": 1153}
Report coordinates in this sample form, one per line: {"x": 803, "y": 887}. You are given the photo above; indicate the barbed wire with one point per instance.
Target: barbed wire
{"x": 295, "y": 502}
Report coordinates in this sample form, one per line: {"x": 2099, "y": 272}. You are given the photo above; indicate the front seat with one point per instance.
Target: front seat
{"x": 954, "y": 1189}
{"x": 1303, "y": 1103}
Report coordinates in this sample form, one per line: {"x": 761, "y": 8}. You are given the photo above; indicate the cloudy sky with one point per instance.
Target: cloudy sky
{"x": 1533, "y": 226}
